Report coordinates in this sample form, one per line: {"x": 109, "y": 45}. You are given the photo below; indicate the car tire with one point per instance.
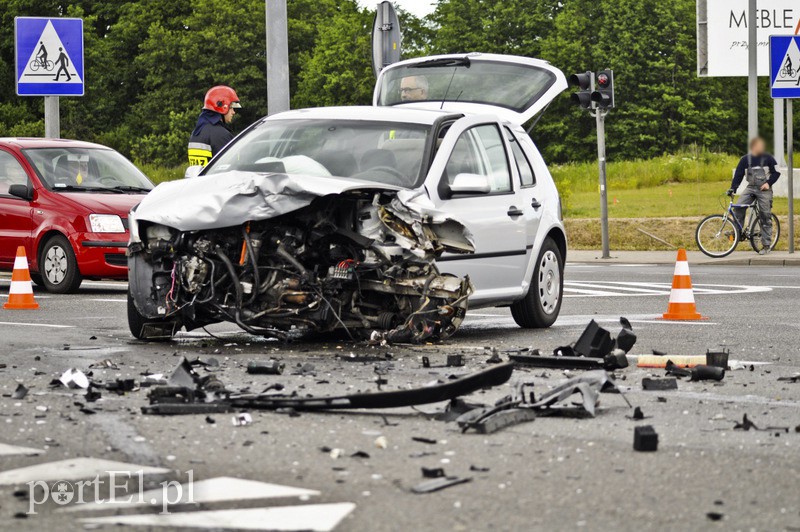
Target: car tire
{"x": 58, "y": 266}
{"x": 540, "y": 306}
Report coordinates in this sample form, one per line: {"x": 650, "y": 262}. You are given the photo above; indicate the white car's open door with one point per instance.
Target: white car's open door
{"x": 515, "y": 88}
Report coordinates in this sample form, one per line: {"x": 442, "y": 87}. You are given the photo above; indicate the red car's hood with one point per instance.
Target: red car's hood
{"x": 102, "y": 203}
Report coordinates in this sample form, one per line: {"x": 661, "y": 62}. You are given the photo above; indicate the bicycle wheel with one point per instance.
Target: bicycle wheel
{"x": 35, "y": 65}
{"x": 49, "y": 66}
{"x": 755, "y": 234}
{"x": 717, "y": 235}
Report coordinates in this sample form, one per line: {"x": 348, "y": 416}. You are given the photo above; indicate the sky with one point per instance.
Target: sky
{"x": 419, "y": 8}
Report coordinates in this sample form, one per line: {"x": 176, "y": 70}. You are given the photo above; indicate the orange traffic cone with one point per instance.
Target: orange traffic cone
{"x": 681, "y": 298}
{"x": 20, "y": 297}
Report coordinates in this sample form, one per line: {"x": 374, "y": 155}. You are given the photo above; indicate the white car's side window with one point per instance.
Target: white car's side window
{"x": 480, "y": 150}
{"x": 526, "y": 173}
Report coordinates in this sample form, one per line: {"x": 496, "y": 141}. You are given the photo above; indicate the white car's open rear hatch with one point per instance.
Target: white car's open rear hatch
{"x": 516, "y": 88}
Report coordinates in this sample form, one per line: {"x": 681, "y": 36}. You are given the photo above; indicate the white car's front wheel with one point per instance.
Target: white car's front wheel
{"x": 541, "y": 305}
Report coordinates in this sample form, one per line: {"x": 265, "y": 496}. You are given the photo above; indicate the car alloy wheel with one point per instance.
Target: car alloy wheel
{"x": 56, "y": 264}
{"x": 549, "y": 282}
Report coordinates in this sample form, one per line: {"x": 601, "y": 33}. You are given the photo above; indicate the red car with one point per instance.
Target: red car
{"x": 67, "y": 202}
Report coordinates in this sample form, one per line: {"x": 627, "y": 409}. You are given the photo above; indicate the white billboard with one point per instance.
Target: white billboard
{"x": 722, "y": 33}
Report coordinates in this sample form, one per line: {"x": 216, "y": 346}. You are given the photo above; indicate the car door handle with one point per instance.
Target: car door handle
{"x": 514, "y": 212}
{"x": 535, "y": 203}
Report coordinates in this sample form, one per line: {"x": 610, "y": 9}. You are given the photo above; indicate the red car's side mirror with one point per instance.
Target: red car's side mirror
{"x": 21, "y": 191}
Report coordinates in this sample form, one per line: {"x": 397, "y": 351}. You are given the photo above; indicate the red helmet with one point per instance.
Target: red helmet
{"x": 220, "y": 99}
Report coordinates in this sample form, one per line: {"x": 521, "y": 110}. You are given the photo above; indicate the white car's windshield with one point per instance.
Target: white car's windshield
{"x": 384, "y": 152}
{"x": 87, "y": 170}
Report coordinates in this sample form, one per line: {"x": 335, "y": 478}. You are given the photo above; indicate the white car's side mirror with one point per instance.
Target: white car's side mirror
{"x": 470, "y": 184}
{"x": 192, "y": 171}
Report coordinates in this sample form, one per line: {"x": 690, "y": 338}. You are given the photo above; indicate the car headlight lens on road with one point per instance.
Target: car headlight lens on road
{"x": 106, "y": 223}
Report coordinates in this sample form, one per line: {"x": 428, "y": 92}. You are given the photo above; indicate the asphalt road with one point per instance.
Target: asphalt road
{"x": 549, "y": 474}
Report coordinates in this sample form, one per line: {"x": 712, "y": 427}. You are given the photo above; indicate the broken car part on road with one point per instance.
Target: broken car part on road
{"x": 172, "y": 400}
{"x": 272, "y": 252}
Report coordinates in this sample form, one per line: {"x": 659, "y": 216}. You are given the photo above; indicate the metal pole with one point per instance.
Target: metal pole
{"x": 52, "y": 120}
{"x": 778, "y": 117}
{"x": 790, "y": 144}
{"x": 752, "y": 77}
{"x": 277, "y": 57}
{"x": 601, "y": 158}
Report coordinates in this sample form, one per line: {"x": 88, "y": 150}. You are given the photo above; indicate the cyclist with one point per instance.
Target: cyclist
{"x": 42, "y": 55}
{"x": 758, "y": 167}
{"x": 788, "y": 66}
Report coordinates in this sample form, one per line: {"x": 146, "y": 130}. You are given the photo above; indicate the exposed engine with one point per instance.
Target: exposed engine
{"x": 356, "y": 262}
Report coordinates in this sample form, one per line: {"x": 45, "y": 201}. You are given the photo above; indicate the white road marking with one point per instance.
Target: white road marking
{"x": 73, "y": 469}
{"x": 50, "y": 325}
{"x": 108, "y": 300}
{"x": 640, "y": 289}
{"x": 6, "y": 450}
{"x": 203, "y": 491}
{"x": 317, "y": 517}
{"x": 582, "y": 320}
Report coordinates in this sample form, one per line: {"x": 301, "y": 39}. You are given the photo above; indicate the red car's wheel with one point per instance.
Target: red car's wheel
{"x": 58, "y": 266}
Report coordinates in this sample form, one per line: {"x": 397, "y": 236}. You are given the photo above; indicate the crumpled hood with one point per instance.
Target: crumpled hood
{"x": 233, "y": 198}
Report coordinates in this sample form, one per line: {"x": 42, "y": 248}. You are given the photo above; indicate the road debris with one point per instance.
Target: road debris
{"x": 74, "y": 379}
{"x": 240, "y": 420}
{"x": 455, "y": 361}
{"x": 268, "y": 367}
{"x": 420, "y": 439}
{"x": 522, "y": 407}
{"x": 746, "y": 425}
{"x": 654, "y": 384}
{"x": 645, "y": 438}
{"x": 20, "y": 392}
{"x": 197, "y": 399}
{"x": 697, "y": 373}
{"x": 434, "y": 472}
{"x": 436, "y": 484}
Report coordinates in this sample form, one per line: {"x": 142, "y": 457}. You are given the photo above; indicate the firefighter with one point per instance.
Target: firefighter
{"x": 211, "y": 134}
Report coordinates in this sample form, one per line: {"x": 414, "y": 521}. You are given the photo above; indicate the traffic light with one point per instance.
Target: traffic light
{"x": 604, "y": 95}
{"x": 584, "y": 82}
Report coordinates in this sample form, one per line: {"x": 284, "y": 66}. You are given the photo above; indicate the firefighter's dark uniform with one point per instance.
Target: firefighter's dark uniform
{"x": 209, "y": 136}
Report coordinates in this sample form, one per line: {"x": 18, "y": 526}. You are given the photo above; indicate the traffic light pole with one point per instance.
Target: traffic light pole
{"x": 600, "y": 115}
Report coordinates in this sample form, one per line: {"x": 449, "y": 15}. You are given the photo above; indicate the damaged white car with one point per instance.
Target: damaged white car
{"x": 390, "y": 218}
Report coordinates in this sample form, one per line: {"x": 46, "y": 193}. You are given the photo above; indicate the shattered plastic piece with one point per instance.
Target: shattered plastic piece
{"x": 381, "y": 442}
{"x": 564, "y": 351}
{"x": 521, "y": 409}
{"x": 645, "y": 438}
{"x": 184, "y": 375}
{"x": 72, "y": 378}
{"x": 479, "y": 469}
{"x": 746, "y": 425}
{"x": 626, "y": 337}
{"x": 715, "y": 516}
{"x": 495, "y": 358}
{"x": 718, "y": 358}
{"x": 595, "y": 341}
{"x": 20, "y": 392}
{"x": 269, "y": 367}
{"x": 164, "y": 403}
{"x": 420, "y": 439}
{"x": 668, "y": 383}
{"x": 91, "y": 395}
{"x": 793, "y": 378}
{"x": 436, "y": 484}
{"x": 240, "y": 420}
{"x": 559, "y": 362}
{"x": 359, "y": 454}
{"x": 617, "y": 359}
{"x": 637, "y": 414}
{"x": 426, "y": 362}
{"x": 697, "y": 373}
{"x": 434, "y": 472}
{"x": 455, "y": 361}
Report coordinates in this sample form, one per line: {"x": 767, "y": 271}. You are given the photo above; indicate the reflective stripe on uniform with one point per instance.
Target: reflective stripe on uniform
{"x": 199, "y": 153}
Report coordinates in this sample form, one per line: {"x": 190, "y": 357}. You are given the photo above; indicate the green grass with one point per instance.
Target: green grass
{"x": 159, "y": 174}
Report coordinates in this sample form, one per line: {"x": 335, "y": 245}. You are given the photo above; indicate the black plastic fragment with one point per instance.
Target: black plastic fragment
{"x": 595, "y": 341}
{"x": 267, "y": 367}
{"x": 433, "y": 472}
{"x": 667, "y": 383}
{"x": 436, "y": 484}
{"x": 426, "y": 362}
{"x": 718, "y": 358}
{"x": 645, "y": 438}
{"x": 455, "y": 361}
{"x": 626, "y": 337}
{"x": 20, "y": 392}
{"x": 697, "y": 373}
{"x": 420, "y": 439}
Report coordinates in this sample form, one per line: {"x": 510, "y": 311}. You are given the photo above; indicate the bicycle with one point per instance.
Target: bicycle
{"x": 38, "y": 63}
{"x": 718, "y": 235}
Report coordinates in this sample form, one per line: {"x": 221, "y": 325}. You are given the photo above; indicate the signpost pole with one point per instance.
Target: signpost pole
{"x": 790, "y": 144}
{"x": 277, "y": 57}
{"x": 52, "y": 119}
{"x": 601, "y": 157}
{"x": 778, "y": 117}
{"x": 752, "y": 77}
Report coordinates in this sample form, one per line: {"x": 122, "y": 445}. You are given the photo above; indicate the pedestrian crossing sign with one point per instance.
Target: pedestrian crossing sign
{"x": 49, "y": 56}
{"x": 784, "y": 68}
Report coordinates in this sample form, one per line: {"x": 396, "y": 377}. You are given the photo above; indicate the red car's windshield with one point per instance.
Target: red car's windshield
{"x": 86, "y": 169}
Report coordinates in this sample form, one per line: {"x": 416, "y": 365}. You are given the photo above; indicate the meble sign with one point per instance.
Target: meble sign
{"x": 726, "y": 29}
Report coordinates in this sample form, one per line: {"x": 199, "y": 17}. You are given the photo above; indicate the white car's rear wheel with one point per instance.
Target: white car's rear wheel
{"x": 541, "y": 305}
